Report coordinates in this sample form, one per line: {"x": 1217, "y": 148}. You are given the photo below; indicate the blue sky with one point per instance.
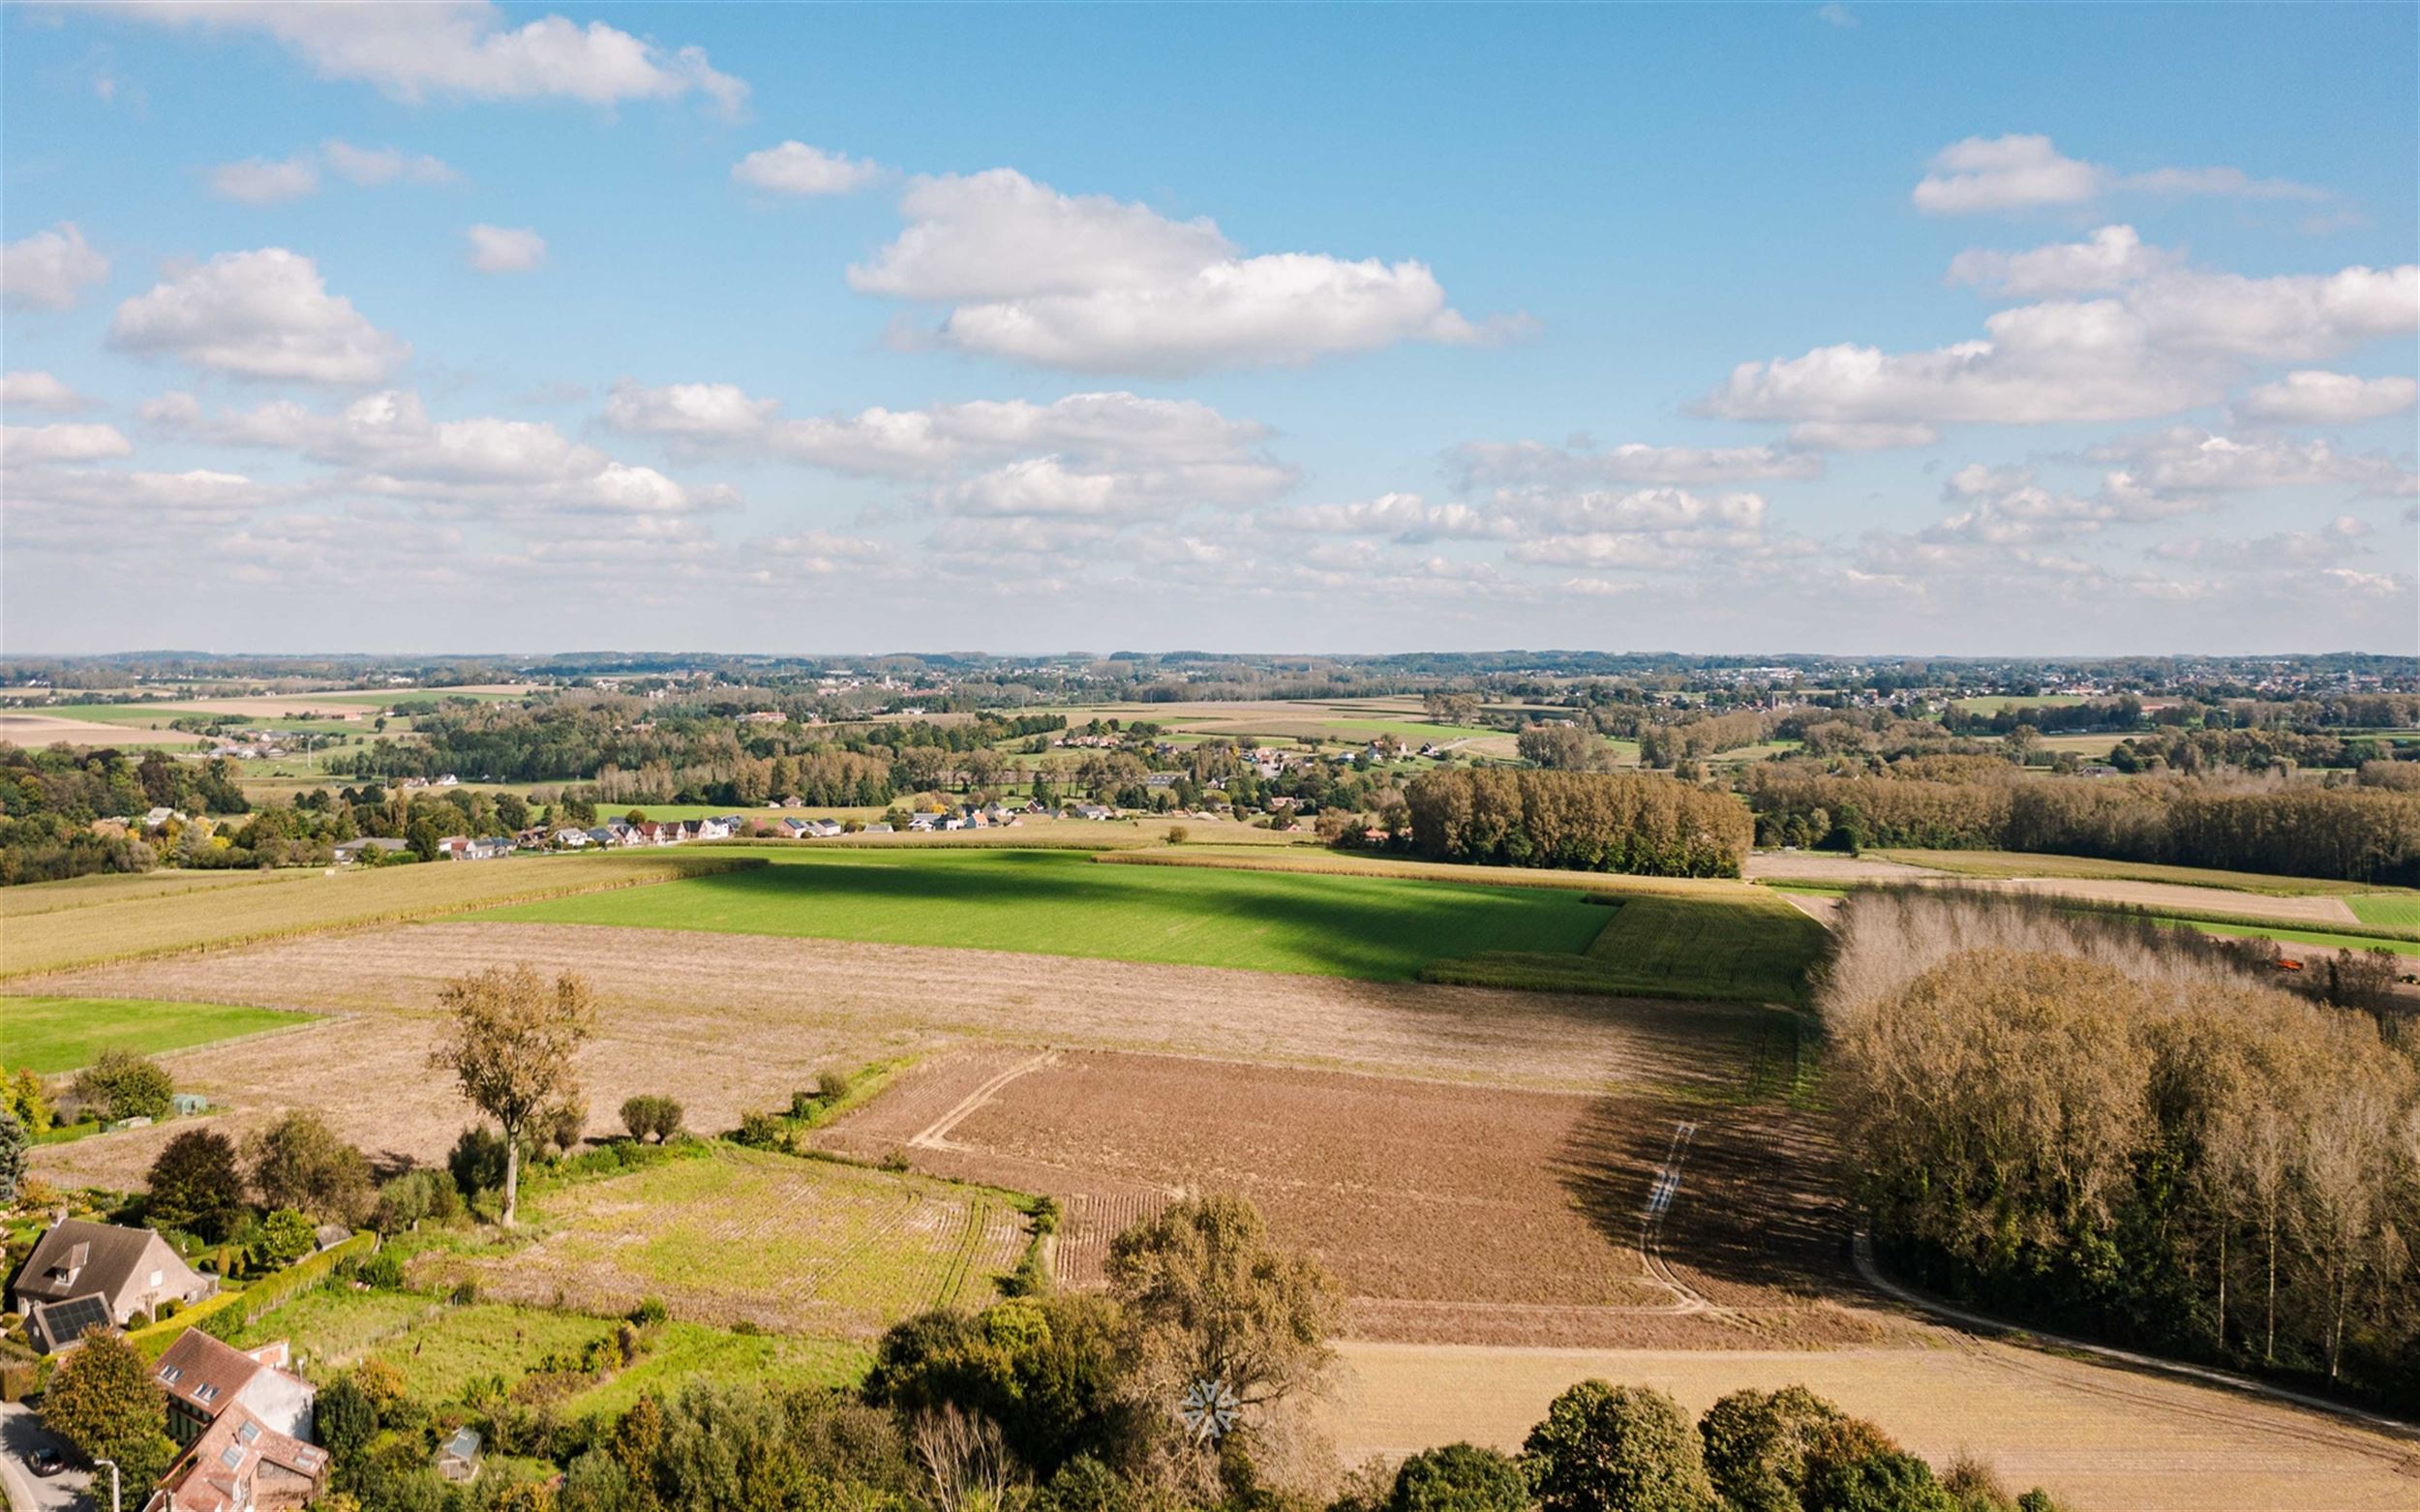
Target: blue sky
{"x": 1924, "y": 329}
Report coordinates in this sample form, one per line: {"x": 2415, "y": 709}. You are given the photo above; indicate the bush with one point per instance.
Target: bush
{"x": 650, "y": 1312}
{"x": 649, "y": 1116}
{"x": 382, "y": 1272}
{"x": 196, "y": 1185}
{"x": 299, "y": 1163}
{"x": 833, "y": 1083}
{"x": 416, "y": 1195}
{"x": 282, "y": 1238}
{"x": 125, "y": 1085}
{"x": 476, "y": 1162}
{"x": 763, "y": 1132}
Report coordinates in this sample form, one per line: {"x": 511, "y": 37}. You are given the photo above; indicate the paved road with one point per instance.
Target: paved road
{"x": 20, "y": 1433}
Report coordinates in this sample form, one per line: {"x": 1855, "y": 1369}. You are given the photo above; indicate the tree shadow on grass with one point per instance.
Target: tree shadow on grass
{"x": 1371, "y": 929}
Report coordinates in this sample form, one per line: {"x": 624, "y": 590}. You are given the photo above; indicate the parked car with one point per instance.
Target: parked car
{"x": 46, "y": 1462}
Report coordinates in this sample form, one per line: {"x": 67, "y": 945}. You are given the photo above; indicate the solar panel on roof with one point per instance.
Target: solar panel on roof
{"x": 66, "y": 1322}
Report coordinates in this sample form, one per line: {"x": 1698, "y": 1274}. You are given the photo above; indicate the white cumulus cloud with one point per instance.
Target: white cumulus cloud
{"x": 50, "y": 270}
{"x": 505, "y": 249}
{"x": 462, "y": 47}
{"x": 1092, "y": 284}
{"x": 262, "y": 181}
{"x": 31, "y": 389}
{"x": 22, "y": 445}
{"x": 2315, "y": 398}
{"x": 796, "y": 169}
{"x": 259, "y": 315}
{"x": 2023, "y": 171}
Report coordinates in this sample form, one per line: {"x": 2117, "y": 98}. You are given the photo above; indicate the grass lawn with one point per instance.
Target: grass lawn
{"x": 836, "y": 1251}
{"x": 1059, "y": 903}
{"x": 50, "y": 1035}
{"x": 1747, "y": 948}
{"x": 1997, "y": 702}
{"x": 685, "y": 1352}
{"x": 2387, "y": 910}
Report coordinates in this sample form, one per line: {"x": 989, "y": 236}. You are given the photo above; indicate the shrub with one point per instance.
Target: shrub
{"x": 283, "y": 1237}
{"x": 833, "y": 1083}
{"x": 125, "y": 1085}
{"x": 476, "y": 1162}
{"x": 1045, "y": 1215}
{"x": 763, "y": 1132}
{"x": 650, "y": 1312}
{"x": 650, "y": 1116}
{"x": 382, "y": 1272}
{"x": 1178, "y": 835}
{"x": 415, "y": 1196}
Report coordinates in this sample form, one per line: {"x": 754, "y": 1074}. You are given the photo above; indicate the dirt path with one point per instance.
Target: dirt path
{"x": 2097, "y": 1438}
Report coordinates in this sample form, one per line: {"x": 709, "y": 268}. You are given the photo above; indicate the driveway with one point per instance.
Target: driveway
{"x": 20, "y": 1433}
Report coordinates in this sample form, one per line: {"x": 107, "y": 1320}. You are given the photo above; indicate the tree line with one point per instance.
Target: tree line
{"x": 2117, "y": 1130}
{"x": 1650, "y": 825}
{"x": 2352, "y": 833}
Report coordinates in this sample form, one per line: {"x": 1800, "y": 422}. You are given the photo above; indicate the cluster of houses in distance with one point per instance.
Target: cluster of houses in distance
{"x": 615, "y": 833}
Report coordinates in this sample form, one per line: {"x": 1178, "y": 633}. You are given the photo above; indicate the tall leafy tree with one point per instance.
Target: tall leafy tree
{"x": 197, "y": 1185}
{"x": 510, "y": 1044}
{"x": 1606, "y": 1448}
{"x": 104, "y": 1403}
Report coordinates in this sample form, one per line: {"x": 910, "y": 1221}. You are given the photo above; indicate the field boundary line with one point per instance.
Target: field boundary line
{"x": 1862, "y": 1250}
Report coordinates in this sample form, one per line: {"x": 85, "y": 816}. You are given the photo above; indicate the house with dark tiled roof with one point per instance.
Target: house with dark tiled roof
{"x": 82, "y": 1274}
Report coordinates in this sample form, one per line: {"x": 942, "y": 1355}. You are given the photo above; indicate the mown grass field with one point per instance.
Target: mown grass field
{"x": 107, "y": 926}
{"x": 50, "y": 1035}
{"x": 1748, "y": 949}
{"x": 1059, "y": 903}
{"x": 2386, "y": 909}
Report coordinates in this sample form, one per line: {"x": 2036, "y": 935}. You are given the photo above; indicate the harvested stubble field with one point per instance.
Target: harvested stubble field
{"x": 749, "y": 1236}
{"x": 2097, "y": 1438}
{"x": 104, "y": 924}
{"x": 1059, "y": 903}
{"x": 1449, "y": 1213}
{"x": 727, "y": 1023}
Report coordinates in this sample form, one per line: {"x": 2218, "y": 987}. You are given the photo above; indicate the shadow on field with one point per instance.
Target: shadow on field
{"x": 1380, "y": 930}
{"x": 1756, "y": 1210}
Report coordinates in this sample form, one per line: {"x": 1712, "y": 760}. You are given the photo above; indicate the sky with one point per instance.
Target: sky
{"x": 1951, "y": 330}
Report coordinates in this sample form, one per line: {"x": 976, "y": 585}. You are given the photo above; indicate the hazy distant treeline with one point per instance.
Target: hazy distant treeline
{"x": 2362, "y": 833}
{"x": 1652, "y": 825}
{"x": 2111, "y": 1129}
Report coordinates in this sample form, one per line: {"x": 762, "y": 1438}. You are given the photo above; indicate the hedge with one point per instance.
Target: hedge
{"x": 258, "y": 1300}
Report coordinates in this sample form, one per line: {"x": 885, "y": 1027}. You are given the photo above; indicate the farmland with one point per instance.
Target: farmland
{"x": 102, "y": 924}
{"x": 50, "y": 1035}
{"x": 829, "y": 1249}
{"x": 1512, "y": 1217}
{"x": 1057, "y": 903}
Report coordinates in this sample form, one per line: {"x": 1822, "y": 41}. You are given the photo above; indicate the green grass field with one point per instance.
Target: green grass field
{"x": 1750, "y": 948}
{"x": 50, "y": 1035}
{"x": 836, "y": 1251}
{"x": 2386, "y": 909}
{"x": 1997, "y": 702}
{"x": 1059, "y": 903}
